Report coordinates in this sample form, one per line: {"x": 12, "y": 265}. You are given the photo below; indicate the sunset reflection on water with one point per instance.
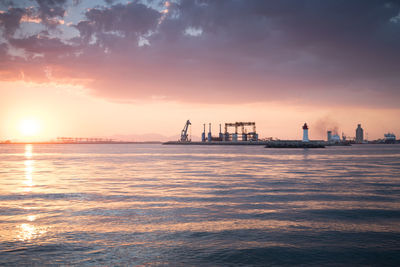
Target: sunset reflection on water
{"x": 28, "y": 175}
{"x": 28, "y": 232}
{"x": 29, "y": 168}
{"x": 187, "y": 205}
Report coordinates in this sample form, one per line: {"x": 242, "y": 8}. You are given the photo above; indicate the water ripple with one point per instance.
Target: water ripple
{"x": 194, "y": 206}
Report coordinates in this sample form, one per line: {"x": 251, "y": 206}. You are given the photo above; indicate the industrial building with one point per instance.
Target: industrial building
{"x": 333, "y": 138}
{"x": 359, "y": 134}
{"x": 236, "y": 133}
{"x": 329, "y": 136}
{"x": 243, "y": 133}
{"x": 390, "y": 138}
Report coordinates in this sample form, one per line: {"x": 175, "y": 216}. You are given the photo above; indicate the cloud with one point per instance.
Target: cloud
{"x": 47, "y": 12}
{"x": 42, "y": 44}
{"x": 223, "y": 51}
{"x": 9, "y": 21}
{"x": 128, "y": 20}
{"x": 50, "y": 10}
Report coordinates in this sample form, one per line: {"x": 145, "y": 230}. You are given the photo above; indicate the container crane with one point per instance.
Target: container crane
{"x": 184, "y": 134}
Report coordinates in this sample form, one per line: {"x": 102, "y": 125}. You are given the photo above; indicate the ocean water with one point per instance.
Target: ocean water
{"x": 157, "y": 205}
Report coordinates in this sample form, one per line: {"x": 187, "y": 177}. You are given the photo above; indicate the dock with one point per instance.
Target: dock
{"x": 267, "y": 144}
{"x": 244, "y": 134}
{"x": 219, "y": 143}
{"x": 295, "y": 144}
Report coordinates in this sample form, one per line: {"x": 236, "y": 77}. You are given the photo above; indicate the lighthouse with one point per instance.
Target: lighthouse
{"x": 305, "y": 133}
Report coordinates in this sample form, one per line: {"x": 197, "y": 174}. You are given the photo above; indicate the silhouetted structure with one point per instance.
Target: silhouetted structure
{"x": 329, "y": 136}
{"x": 244, "y": 136}
{"x": 184, "y": 133}
{"x": 305, "y": 133}
{"x": 79, "y": 140}
{"x": 390, "y": 138}
{"x": 359, "y": 134}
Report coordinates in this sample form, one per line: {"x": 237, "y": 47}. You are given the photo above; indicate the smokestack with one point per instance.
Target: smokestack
{"x": 209, "y": 132}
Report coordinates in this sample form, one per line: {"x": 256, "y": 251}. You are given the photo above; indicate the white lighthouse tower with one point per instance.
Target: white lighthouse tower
{"x": 305, "y": 133}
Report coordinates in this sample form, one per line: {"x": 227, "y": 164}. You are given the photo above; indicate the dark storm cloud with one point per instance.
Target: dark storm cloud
{"x": 3, "y": 51}
{"x": 42, "y": 45}
{"x": 10, "y": 20}
{"x": 237, "y": 50}
{"x": 129, "y": 19}
{"x": 49, "y": 10}
{"x": 323, "y": 28}
{"x": 6, "y": 3}
{"x": 322, "y": 45}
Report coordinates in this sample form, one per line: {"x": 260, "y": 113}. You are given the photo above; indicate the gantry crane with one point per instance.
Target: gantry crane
{"x": 252, "y": 135}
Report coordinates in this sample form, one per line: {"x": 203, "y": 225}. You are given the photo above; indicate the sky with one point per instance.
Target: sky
{"x": 137, "y": 70}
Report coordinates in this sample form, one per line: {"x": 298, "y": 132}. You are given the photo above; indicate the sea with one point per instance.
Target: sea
{"x": 155, "y": 205}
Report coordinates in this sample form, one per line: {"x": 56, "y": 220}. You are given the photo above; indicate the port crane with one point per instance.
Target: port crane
{"x": 184, "y": 134}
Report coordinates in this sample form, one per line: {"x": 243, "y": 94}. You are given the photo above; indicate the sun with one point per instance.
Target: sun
{"x": 29, "y": 127}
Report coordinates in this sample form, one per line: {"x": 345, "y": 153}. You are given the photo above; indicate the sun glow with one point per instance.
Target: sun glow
{"x": 29, "y": 127}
